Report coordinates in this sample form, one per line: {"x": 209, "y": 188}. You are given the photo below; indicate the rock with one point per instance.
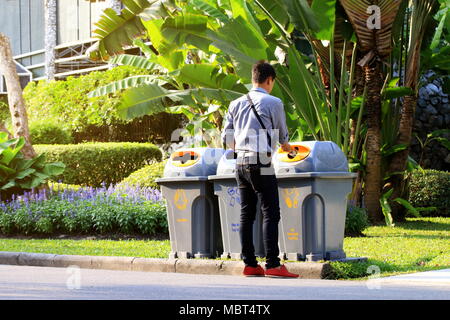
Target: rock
{"x": 433, "y": 120}
{"x": 432, "y": 88}
{"x": 418, "y": 125}
{"x": 422, "y": 102}
{"x": 440, "y": 121}
{"x": 423, "y": 117}
{"x": 431, "y": 110}
{"x": 447, "y": 119}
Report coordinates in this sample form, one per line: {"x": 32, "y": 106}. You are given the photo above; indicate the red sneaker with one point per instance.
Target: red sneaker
{"x": 280, "y": 272}
{"x": 253, "y": 272}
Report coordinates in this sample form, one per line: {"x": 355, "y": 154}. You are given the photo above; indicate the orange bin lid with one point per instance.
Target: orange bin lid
{"x": 302, "y": 153}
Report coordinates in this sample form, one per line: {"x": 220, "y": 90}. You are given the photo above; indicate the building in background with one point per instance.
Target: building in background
{"x": 49, "y": 38}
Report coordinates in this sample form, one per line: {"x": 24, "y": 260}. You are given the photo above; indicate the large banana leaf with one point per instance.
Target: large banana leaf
{"x": 115, "y": 31}
{"x": 126, "y": 83}
{"x": 210, "y": 10}
{"x": 325, "y": 12}
{"x": 209, "y": 76}
{"x": 135, "y": 61}
{"x": 151, "y": 98}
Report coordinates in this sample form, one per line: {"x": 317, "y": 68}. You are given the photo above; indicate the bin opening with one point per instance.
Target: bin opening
{"x": 184, "y": 158}
{"x": 302, "y": 153}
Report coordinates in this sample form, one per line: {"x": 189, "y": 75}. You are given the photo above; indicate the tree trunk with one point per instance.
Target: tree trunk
{"x": 373, "y": 179}
{"x": 15, "y": 99}
{"x": 50, "y": 39}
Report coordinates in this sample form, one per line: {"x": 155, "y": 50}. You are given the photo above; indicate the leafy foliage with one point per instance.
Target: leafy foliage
{"x": 49, "y": 132}
{"x": 92, "y": 164}
{"x": 430, "y": 188}
{"x": 85, "y": 211}
{"x": 146, "y": 176}
{"x": 67, "y": 102}
{"x": 18, "y": 174}
{"x": 356, "y": 221}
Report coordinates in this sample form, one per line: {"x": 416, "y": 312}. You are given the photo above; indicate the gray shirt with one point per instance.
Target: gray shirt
{"x": 242, "y": 125}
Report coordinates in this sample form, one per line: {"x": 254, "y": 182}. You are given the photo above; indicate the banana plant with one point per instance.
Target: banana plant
{"x": 19, "y": 174}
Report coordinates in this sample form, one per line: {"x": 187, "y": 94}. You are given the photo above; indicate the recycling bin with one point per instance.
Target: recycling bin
{"x": 226, "y": 189}
{"x": 313, "y": 188}
{"x": 192, "y": 208}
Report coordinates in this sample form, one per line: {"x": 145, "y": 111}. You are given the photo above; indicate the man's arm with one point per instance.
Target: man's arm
{"x": 228, "y": 131}
{"x": 279, "y": 122}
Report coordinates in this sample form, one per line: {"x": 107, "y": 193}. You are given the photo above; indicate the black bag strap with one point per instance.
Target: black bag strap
{"x": 250, "y": 101}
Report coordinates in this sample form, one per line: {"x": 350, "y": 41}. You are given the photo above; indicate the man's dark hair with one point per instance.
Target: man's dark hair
{"x": 261, "y": 71}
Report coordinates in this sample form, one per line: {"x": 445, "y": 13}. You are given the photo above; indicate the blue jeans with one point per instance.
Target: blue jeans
{"x": 257, "y": 181}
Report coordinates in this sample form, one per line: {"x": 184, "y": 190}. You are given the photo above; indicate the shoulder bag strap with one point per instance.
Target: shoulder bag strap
{"x": 269, "y": 139}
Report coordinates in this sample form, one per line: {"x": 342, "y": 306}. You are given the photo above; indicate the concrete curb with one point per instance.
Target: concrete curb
{"x": 307, "y": 270}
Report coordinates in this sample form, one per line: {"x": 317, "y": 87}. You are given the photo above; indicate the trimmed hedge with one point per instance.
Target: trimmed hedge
{"x": 94, "y": 164}
{"x": 45, "y": 132}
{"x": 430, "y": 188}
{"x": 146, "y": 176}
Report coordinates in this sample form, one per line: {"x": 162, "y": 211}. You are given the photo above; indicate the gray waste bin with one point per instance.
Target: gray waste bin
{"x": 225, "y": 187}
{"x": 313, "y": 188}
{"x": 192, "y": 209}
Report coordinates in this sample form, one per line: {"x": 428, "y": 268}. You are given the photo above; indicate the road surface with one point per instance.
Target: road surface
{"x": 24, "y": 282}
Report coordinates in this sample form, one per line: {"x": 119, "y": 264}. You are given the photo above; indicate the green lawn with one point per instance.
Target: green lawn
{"x": 416, "y": 245}
{"x": 128, "y": 248}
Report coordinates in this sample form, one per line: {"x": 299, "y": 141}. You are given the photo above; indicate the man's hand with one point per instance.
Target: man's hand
{"x": 286, "y": 147}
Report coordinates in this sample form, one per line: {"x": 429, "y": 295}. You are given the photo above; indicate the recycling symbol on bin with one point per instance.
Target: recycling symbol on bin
{"x": 291, "y": 197}
{"x": 180, "y": 199}
{"x": 234, "y": 196}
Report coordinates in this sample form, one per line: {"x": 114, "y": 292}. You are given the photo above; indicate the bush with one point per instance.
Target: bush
{"x": 45, "y": 132}
{"x": 430, "y": 188}
{"x": 85, "y": 211}
{"x": 94, "y": 164}
{"x": 356, "y": 221}
{"x": 146, "y": 176}
{"x": 94, "y": 119}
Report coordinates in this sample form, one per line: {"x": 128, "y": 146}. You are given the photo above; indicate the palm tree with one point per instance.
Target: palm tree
{"x": 372, "y": 22}
{"x": 422, "y": 13}
{"x": 50, "y": 38}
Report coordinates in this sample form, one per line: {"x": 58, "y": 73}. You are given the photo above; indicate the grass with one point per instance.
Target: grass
{"x": 416, "y": 245}
{"x": 129, "y": 248}
{"x": 419, "y": 244}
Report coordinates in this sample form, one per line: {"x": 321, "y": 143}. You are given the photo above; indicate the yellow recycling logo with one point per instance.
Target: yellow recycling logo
{"x": 180, "y": 199}
{"x": 290, "y": 197}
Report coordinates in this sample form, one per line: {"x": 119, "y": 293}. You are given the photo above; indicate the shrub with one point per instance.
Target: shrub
{"x": 18, "y": 174}
{"x": 85, "y": 211}
{"x": 93, "y": 164}
{"x": 430, "y": 188}
{"x": 45, "y": 132}
{"x": 146, "y": 176}
{"x": 356, "y": 221}
{"x": 94, "y": 119}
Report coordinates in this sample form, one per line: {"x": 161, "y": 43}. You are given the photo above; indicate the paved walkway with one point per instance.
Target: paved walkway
{"x": 25, "y": 282}
{"x": 438, "y": 277}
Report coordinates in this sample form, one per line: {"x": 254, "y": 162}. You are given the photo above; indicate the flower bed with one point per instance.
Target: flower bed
{"x": 86, "y": 210}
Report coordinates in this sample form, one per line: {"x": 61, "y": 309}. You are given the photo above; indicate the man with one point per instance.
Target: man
{"x": 253, "y": 123}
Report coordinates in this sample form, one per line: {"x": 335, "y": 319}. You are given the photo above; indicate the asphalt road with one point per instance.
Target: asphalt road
{"x": 23, "y": 282}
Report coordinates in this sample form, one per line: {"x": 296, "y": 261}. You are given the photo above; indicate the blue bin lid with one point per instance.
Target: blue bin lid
{"x": 312, "y": 156}
{"x": 193, "y": 162}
